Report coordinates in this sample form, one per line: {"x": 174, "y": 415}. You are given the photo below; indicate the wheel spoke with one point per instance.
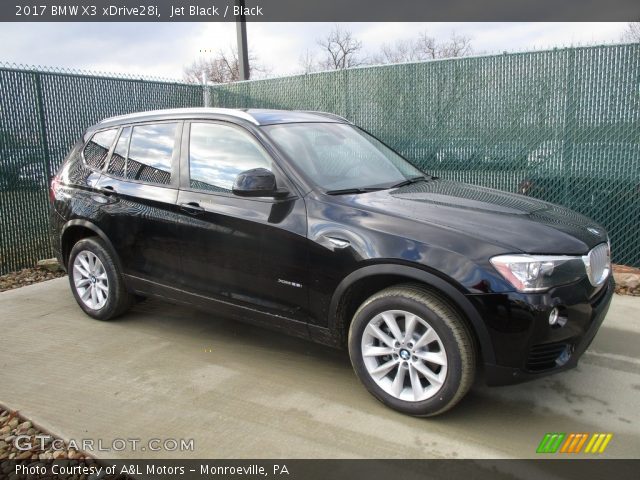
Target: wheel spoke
{"x": 383, "y": 369}
{"x": 410, "y": 322}
{"x": 102, "y": 287}
{"x": 416, "y": 386}
{"x": 86, "y": 294}
{"x": 390, "y": 320}
{"x": 433, "y": 378}
{"x": 434, "y": 357}
{"x": 94, "y": 297}
{"x": 102, "y": 295}
{"x": 81, "y": 270}
{"x": 85, "y": 264}
{"x": 371, "y": 351}
{"x": 428, "y": 337}
{"x": 398, "y": 382}
{"x": 380, "y": 335}
{"x": 82, "y": 282}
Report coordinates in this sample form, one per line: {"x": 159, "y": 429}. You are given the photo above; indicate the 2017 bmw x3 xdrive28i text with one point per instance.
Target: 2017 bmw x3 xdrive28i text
{"x": 303, "y": 222}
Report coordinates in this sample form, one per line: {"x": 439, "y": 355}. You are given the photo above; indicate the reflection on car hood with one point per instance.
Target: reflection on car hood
{"x": 508, "y": 219}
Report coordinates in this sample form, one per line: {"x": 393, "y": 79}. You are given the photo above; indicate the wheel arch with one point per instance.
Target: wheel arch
{"x": 75, "y": 230}
{"x": 390, "y": 274}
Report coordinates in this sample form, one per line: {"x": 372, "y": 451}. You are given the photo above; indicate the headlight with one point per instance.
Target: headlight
{"x": 535, "y": 273}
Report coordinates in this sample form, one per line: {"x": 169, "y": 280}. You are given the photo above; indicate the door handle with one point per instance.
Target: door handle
{"x": 107, "y": 190}
{"x": 192, "y": 208}
{"x": 339, "y": 242}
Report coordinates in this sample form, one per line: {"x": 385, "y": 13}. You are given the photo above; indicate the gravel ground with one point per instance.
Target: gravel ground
{"x": 27, "y": 276}
{"x": 44, "y": 445}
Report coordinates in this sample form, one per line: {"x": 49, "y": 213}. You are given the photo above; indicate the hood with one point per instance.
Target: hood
{"x": 513, "y": 221}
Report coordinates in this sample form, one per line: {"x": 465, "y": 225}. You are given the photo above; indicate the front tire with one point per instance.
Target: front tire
{"x": 96, "y": 281}
{"x": 412, "y": 350}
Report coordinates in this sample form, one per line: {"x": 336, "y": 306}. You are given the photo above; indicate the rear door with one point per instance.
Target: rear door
{"x": 140, "y": 188}
{"x": 250, "y": 251}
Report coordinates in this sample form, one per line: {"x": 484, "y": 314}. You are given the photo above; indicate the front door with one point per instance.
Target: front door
{"x": 249, "y": 251}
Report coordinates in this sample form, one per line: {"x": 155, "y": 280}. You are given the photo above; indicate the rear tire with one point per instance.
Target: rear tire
{"x": 96, "y": 281}
{"x": 412, "y": 350}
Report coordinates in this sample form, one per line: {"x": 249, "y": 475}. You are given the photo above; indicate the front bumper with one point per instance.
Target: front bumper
{"x": 526, "y": 347}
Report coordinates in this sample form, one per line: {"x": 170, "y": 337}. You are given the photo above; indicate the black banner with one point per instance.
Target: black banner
{"x": 574, "y": 469}
{"x": 318, "y": 11}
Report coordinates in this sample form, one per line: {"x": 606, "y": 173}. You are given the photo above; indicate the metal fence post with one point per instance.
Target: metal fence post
{"x": 206, "y": 98}
{"x": 43, "y": 125}
{"x": 568, "y": 137}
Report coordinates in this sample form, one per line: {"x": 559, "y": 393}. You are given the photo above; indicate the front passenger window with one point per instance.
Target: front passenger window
{"x": 218, "y": 153}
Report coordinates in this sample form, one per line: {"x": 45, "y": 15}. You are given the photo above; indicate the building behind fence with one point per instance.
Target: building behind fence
{"x": 561, "y": 125}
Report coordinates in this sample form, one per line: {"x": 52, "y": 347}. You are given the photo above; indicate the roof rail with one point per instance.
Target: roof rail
{"x": 325, "y": 114}
{"x": 178, "y": 111}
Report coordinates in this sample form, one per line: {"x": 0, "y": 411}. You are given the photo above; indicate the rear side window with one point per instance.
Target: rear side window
{"x": 218, "y": 153}
{"x": 95, "y": 152}
{"x": 119, "y": 156}
{"x": 144, "y": 153}
{"x": 150, "y": 153}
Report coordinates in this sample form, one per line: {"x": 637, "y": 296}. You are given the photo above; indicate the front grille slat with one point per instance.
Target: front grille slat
{"x": 598, "y": 264}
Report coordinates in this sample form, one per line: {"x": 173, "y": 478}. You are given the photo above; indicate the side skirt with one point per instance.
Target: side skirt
{"x": 226, "y": 308}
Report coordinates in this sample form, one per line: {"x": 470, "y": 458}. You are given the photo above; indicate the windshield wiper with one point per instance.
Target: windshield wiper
{"x": 409, "y": 181}
{"x": 347, "y": 191}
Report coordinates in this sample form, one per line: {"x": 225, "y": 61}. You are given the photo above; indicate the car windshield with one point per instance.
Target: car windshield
{"x": 338, "y": 156}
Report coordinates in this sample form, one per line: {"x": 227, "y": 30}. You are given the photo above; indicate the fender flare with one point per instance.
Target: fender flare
{"x": 455, "y": 295}
{"x": 94, "y": 228}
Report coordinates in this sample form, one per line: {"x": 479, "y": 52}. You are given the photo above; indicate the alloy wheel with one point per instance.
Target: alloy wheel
{"x": 90, "y": 280}
{"x": 404, "y": 355}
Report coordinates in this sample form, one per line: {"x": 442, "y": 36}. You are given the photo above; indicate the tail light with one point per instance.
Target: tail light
{"x": 53, "y": 188}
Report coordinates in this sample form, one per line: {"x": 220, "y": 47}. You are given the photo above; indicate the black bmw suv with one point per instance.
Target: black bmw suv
{"x": 305, "y": 223}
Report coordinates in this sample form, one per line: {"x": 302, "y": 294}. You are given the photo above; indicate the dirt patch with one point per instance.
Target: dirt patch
{"x": 627, "y": 280}
{"x": 27, "y": 276}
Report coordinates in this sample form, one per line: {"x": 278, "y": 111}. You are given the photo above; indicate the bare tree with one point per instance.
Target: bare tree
{"x": 307, "y": 62}
{"x": 223, "y": 67}
{"x": 341, "y": 50}
{"x": 425, "y": 47}
{"x": 632, "y": 33}
{"x": 456, "y": 46}
{"x": 401, "y": 51}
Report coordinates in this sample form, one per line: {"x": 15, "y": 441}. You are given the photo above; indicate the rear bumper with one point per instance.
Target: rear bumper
{"x": 526, "y": 347}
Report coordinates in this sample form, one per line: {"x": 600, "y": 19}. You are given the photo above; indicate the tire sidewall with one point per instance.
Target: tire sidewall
{"x": 454, "y": 361}
{"x": 94, "y": 246}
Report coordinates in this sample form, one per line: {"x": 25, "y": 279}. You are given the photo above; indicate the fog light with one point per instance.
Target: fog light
{"x": 556, "y": 319}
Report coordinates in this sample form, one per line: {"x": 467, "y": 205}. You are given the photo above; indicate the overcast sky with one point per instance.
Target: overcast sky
{"x": 163, "y": 49}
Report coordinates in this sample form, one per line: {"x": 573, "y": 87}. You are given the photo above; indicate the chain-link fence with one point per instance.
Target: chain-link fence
{"x": 561, "y": 125}
{"x": 42, "y": 114}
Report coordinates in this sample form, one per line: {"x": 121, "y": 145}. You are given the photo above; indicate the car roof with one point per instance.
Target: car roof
{"x": 255, "y": 116}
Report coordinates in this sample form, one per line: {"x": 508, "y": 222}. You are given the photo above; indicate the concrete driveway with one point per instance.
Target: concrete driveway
{"x": 168, "y": 372}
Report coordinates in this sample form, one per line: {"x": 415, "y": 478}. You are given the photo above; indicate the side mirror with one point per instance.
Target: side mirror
{"x": 257, "y": 182}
